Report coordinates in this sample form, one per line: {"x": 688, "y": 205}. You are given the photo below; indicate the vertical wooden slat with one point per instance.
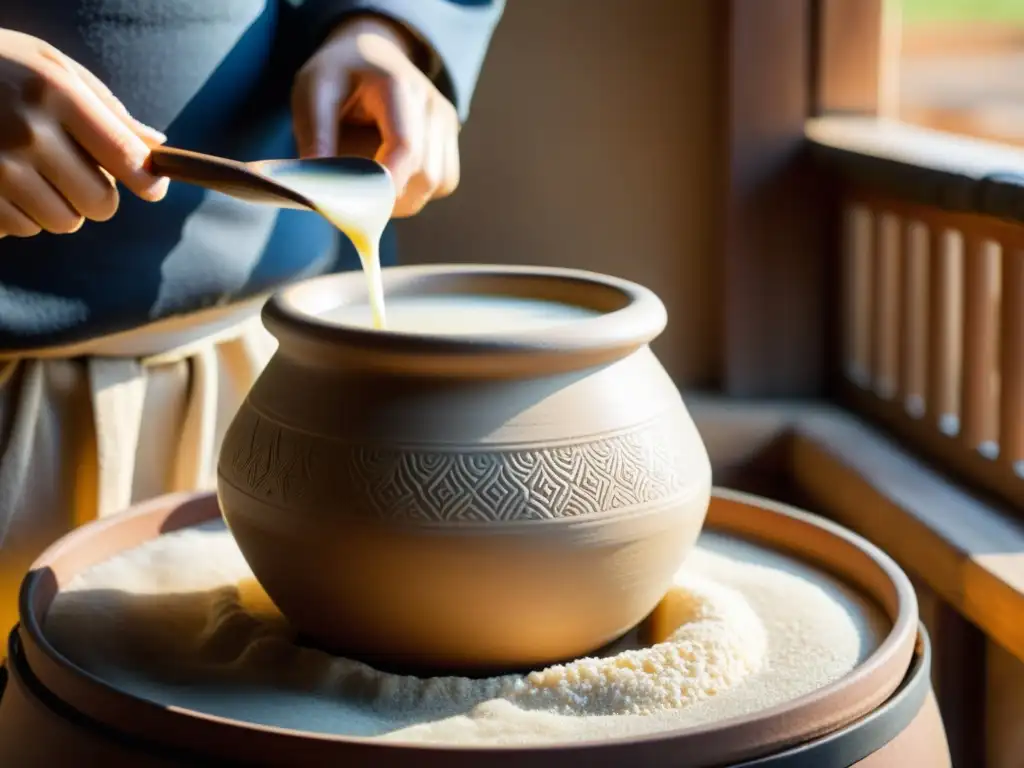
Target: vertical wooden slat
{"x": 848, "y": 292}
{"x": 944, "y": 304}
{"x": 933, "y": 317}
{"x": 885, "y": 336}
{"x": 914, "y": 354}
{"x": 857, "y": 290}
{"x": 1011, "y": 360}
{"x": 979, "y": 423}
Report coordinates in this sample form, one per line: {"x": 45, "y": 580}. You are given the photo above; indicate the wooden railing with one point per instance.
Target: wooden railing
{"x": 933, "y": 329}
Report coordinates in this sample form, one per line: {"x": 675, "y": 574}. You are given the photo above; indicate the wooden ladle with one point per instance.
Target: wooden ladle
{"x": 273, "y": 182}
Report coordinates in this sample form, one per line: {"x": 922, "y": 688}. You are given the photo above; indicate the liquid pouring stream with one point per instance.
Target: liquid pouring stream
{"x": 355, "y": 194}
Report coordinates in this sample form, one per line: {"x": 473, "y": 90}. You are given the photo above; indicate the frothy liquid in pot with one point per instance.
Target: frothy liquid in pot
{"x": 359, "y": 206}
{"x": 461, "y": 314}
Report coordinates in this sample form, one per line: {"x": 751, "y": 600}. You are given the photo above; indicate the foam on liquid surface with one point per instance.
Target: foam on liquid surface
{"x": 462, "y": 314}
{"x": 181, "y": 621}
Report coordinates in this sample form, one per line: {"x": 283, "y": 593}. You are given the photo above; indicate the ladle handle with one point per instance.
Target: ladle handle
{"x": 221, "y": 174}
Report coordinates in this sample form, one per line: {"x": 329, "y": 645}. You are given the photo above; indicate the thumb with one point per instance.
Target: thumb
{"x": 316, "y": 111}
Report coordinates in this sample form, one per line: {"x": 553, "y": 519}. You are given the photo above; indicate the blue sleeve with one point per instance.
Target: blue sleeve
{"x": 455, "y": 34}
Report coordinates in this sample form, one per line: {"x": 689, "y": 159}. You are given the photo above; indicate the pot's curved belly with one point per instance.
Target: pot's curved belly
{"x": 614, "y": 439}
{"x": 550, "y": 513}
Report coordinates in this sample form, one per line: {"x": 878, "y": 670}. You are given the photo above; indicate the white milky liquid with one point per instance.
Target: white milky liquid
{"x": 360, "y": 207}
{"x": 461, "y": 314}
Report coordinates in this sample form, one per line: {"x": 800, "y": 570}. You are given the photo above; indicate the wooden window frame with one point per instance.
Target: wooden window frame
{"x": 808, "y": 90}
{"x": 951, "y": 352}
{"x": 806, "y": 97}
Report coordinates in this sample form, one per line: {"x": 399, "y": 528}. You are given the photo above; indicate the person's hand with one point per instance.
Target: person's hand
{"x": 64, "y": 138}
{"x": 363, "y": 75}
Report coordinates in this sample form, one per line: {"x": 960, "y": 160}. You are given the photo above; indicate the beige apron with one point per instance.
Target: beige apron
{"x": 87, "y": 430}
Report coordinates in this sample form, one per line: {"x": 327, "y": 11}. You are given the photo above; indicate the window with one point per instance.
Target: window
{"x": 961, "y": 66}
{"x": 932, "y": 273}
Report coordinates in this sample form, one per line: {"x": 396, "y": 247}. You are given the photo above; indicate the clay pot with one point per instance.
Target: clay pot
{"x": 478, "y": 502}
{"x": 881, "y": 715}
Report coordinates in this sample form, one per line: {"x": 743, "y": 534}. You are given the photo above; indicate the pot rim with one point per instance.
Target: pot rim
{"x": 726, "y": 741}
{"x": 630, "y": 316}
{"x": 863, "y": 738}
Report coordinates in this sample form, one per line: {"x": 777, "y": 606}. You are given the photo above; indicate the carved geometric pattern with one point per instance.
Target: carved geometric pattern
{"x": 273, "y": 466}
{"x": 632, "y": 469}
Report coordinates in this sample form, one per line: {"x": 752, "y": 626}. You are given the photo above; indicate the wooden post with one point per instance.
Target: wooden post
{"x": 777, "y": 222}
{"x": 850, "y": 55}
